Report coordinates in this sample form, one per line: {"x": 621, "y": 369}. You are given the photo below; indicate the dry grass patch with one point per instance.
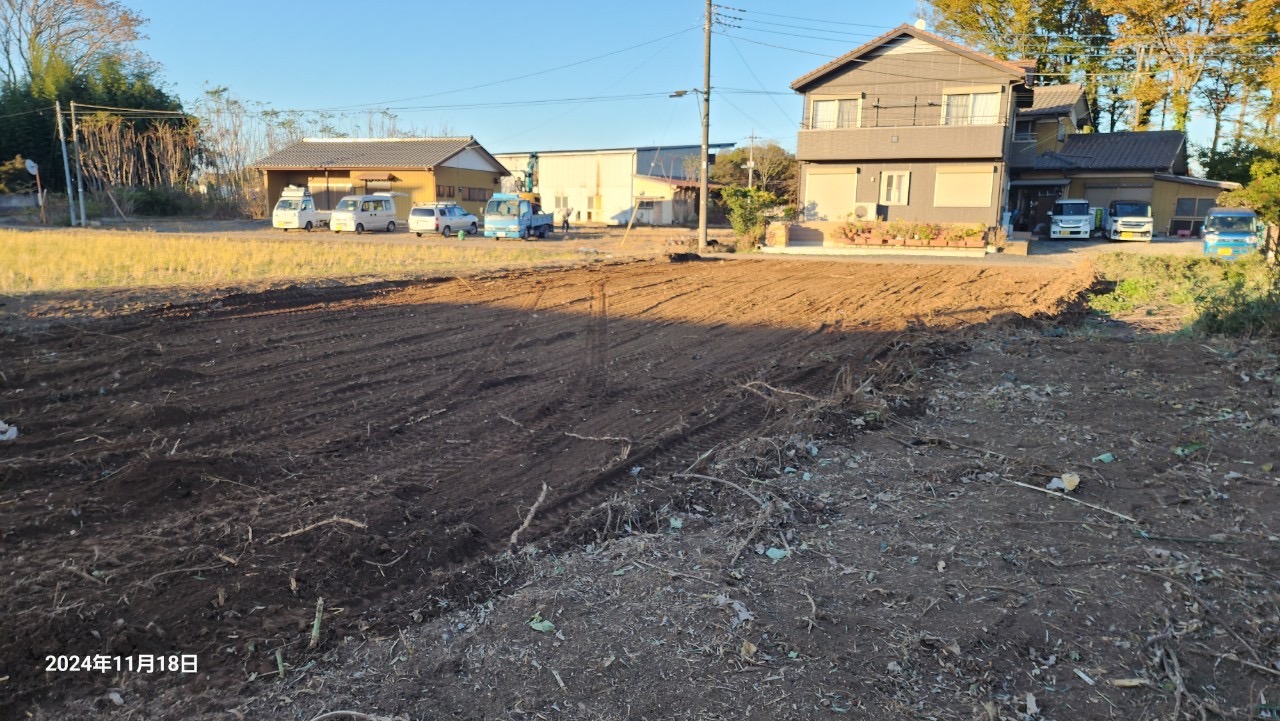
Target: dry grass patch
{"x": 35, "y": 262}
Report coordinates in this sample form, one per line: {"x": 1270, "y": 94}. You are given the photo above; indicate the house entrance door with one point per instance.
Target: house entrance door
{"x": 1040, "y": 204}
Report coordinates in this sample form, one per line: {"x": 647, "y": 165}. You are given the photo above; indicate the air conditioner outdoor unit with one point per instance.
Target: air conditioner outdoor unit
{"x": 868, "y": 211}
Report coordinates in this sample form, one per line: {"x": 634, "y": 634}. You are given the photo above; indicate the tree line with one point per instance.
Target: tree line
{"x": 133, "y": 134}
{"x": 1146, "y": 64}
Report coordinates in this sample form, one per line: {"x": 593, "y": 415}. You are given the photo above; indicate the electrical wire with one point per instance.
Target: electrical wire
{"x": 27, "y": 112}
{"x": 771, "y": 97}
{"x": 1219, "y": 52}
{"x": 617, "y": 81}
{"x": 815, "y": 20}
{"x": 148, "y": 111}
{"x": 910, "y": 78}
{"x": 885, "y": 28}
{"x": 506, "y": 80}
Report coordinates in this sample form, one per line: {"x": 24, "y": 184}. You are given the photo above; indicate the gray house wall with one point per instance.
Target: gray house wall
{"x": 941, "y": 141}
{"x": 888, "y": 79}
{"x": 921, "y": 207}
{"x": 902, "y": 86}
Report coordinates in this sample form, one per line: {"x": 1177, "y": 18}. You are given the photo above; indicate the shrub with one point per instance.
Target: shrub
{"x": 748, "y": 210}
{"x": 1236, "y": 298}
{"x": 1246, "y": 302}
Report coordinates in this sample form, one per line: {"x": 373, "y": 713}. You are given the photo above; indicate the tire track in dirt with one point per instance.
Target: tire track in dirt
{"x": 328, "y": 409}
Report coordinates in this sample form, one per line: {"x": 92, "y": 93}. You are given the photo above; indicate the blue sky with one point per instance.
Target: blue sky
{"x": 597, "y": 73}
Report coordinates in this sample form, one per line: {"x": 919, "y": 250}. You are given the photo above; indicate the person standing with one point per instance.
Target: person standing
{"x": 565, "y": 225}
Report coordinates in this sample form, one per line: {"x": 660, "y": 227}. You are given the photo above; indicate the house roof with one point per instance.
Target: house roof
{"x": 854, "y": 55}
{"x": 675, "y": 182}
{"x": 1159, "y": 150}
{"x": 1053, "y": 99}
{"x": 372, "y": 153}
{"x": 1202, "y": 182}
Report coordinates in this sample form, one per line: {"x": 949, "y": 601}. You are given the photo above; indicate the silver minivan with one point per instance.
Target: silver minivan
{"x": 359, "y": 213}
{"x": 443, "y": 218}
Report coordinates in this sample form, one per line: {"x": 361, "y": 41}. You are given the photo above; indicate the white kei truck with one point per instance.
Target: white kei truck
{"x": 297, "y": 209}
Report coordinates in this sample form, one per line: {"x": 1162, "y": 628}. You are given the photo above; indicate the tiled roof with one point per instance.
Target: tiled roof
{"x": 369, "y": 153}
{"x": 1203, "y": 182}
{"x": 1005, "y": 66}
{"x": 1053, "y": 99}
{"x": 1159, "y": 150}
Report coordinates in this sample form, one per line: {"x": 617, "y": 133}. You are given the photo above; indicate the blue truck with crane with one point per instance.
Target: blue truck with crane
{"x": 518, "y": 215}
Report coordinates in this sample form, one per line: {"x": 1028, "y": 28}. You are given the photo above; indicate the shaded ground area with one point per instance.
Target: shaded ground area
{"x": 772, "y": 490}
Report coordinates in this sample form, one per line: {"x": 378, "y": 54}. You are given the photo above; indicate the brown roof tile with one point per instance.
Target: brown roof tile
{"x": 369, "y": 153}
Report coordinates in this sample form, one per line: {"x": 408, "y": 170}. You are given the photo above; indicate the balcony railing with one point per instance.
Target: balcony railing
{"x": 906, "y": 123}
{"x": 920, "y": 115}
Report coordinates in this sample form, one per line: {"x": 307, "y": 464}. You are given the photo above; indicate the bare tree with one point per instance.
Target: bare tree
{"x": 76, "y": 31}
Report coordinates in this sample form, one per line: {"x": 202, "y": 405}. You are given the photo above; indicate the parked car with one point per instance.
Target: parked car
{"x": 1071, "y": 219}
{"x": 1128, "y": 220}
{"x": 364, "y": 212}
{"x": 1231, "y": 232}
{"x": 443, "y": 218}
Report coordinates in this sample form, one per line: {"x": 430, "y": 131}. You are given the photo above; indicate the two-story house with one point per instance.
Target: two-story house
{"x": 909, "y": 126}
{"x": 913, "y": 127}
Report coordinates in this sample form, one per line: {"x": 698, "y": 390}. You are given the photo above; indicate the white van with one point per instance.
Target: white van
{"x": 364, "y": 212}
{"x": 297, "y": 209}
{"x": 1071, "y": 219}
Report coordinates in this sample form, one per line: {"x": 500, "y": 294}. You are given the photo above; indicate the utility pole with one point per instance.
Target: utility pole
{"x": 1137, "y": 85}
{"x": 706, "y": 131}
{"x": 66, "y": 164}
{"x": 75, "y": 142}
{"x": 751, "y": 160}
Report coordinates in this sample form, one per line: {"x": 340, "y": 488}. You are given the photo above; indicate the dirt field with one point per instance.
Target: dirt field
{"x": 737, "y": 489}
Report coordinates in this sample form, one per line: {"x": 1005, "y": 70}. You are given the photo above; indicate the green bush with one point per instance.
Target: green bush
{"x": 1236, "y": 298}
{"x": 1246, "y": 302}
{"x": 748, "y": 210}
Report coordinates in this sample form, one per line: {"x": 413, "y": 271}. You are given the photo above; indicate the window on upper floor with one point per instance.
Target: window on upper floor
{"x": 895, "y": 187}
{"x": 836, "y": 113}
{"x": 971, "y": 108}
{"x": 1024, "y": 131}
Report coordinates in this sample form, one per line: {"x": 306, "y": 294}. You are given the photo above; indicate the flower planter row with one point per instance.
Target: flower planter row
{"x": 869, "y": 240}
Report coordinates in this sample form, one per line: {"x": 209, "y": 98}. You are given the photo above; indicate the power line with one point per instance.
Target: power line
{"x": 617, "y": 81}
{"x": 796, "y": 27}
{"x": 813, "y": 20}
{"x": 913, "y": 77}
{"x": 149, "y": 111}
{"x": 747, "y": 65}
{"x": 827, "y": 21}
{"x": 779, "y": 47}
{"x": 27, "y": 112}
{"x": 1218, "y": 52}
{"x": 507, "y": 80}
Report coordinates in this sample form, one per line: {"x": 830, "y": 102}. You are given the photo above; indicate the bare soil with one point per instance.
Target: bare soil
{"x": 707, "y": 489}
